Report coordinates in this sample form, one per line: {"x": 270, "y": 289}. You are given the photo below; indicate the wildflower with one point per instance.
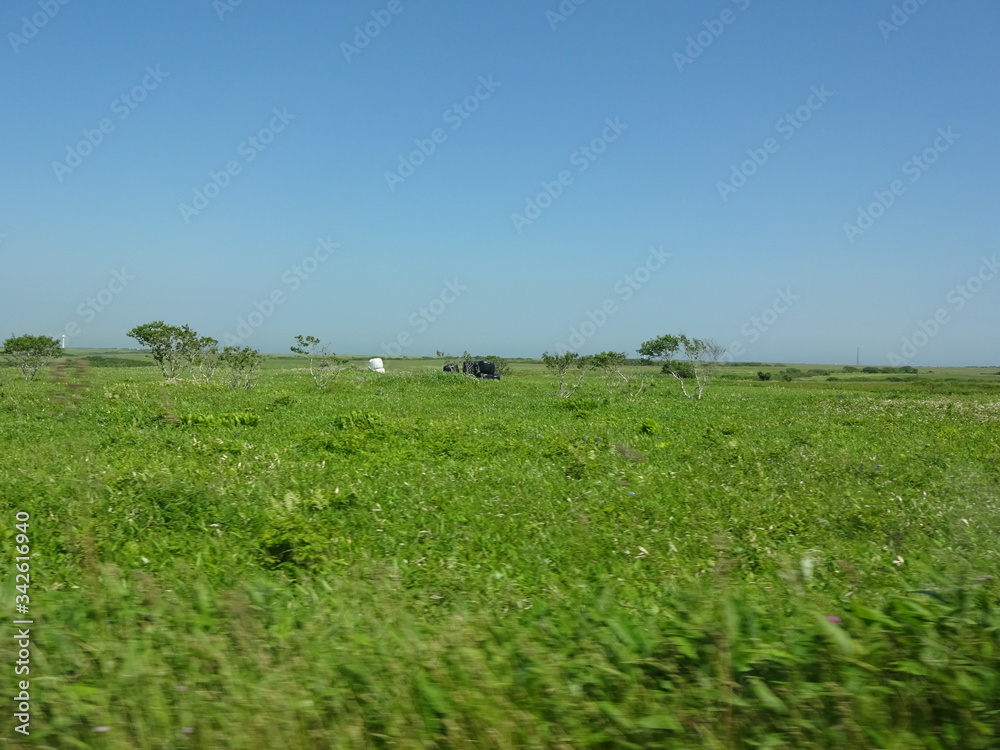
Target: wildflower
{"x": 833, "y": 618}
{"x": 101, "y": 729}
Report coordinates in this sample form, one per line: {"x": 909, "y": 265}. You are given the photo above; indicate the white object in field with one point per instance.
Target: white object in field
{"x": 375, "y": 364}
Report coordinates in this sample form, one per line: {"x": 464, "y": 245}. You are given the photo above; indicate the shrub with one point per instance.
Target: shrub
{"x": 233, "y": 419}
{"x": 241, "y": 364}
{"x": 761, "y": 375}
{"x": 679, "y": 368}
{"x": 649, "y": 427}
{"x": 31, "y": 353}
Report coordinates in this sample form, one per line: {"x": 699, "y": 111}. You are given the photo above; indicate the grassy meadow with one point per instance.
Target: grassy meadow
{"x": 420, "y": 559}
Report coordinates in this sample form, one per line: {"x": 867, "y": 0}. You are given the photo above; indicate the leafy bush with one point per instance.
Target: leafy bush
{"x": 583, "y": 407}
{"x": 241, "y": 365}
{"x": 31, "y": 353}
{"x": 359, "y": 420}
{"x": 234, "y": 419}
{"x": 681, "y": 368}
{"x": 761, "y": 375}
{"x": 650, "y": 427}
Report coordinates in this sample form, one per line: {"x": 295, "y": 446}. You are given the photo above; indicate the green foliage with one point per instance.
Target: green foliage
{"x": 241, "y": 365}
{"x": 561, "y": 364}
{"x": 97, "y": 360}
{"x": 650, "y": 427}
{"x": 359, "y": 419}
{"x": 423, "y": 563}
{"x": 761, "y": 375}
{"x": 31, "y": 353}
{"x": 703, "y": 358}
{"x": 583, "y": 408}
{"x": 171, "y": 347}
{"x": 683, "y": 370}
{"x": 234, "y": 419}
{"x": 324, "y": 365}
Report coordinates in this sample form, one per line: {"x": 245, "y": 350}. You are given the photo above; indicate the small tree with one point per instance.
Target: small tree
{"x": 701, "y": 359}
{"x": 561, "y": 364}
{"x": 324, "y": 365}
{"x": 171, "y": 347}
{"x": 241, "y": 365}
{"x": 203, "y": 357}
{"x": 612, "y": 366}
{"x": 31, "y": 353}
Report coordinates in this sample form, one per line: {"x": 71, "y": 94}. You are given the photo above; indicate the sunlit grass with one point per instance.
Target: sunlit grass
{"x": 421, "y": 559}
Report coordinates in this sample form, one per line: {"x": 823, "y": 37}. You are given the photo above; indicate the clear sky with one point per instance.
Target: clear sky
{"x": 794, "y": 180}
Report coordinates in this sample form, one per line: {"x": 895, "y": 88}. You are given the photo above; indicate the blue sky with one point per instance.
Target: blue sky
{"x": 792, "y": 180}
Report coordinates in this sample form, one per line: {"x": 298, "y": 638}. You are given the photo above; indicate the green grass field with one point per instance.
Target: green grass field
{"x": 420, "y": 559}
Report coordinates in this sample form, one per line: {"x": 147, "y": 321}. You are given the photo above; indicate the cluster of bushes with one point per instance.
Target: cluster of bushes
{"x": 906, "y": 370}
{"x": 179, "y": 349}
{"x": 791, "y": 373}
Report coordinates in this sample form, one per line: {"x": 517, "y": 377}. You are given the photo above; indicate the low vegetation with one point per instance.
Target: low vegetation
{"x": 421, "y": 560}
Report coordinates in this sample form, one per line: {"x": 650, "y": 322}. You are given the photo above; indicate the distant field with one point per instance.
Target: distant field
{"x": 108, "y": 357}
{"x": 420, "y": 559}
